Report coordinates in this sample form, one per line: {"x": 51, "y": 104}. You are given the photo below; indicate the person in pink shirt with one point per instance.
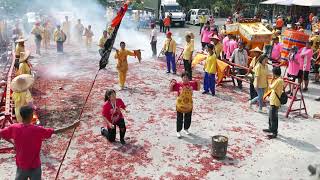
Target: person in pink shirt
{"x": 27, "y": 140}
{"x": 276, "y": 50}
{"x": 294, "y": 66}
{"x": 305, "y": 65}
{"x": 205, "y": 33}
{"x": 225, "y": 43}
{"x": 231, "y": 46}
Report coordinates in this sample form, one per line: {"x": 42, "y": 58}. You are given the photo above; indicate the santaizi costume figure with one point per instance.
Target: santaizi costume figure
{"x": 21, "y": 95}
{"x": 46, "y": 35}
{"x": 24, "y": 66}
{"x": 122, "y": 65}
{"x": 19, "y": 49}
{"x": 37, "y": 32}
{"x": 102, "y": 41}
{"x": 66, "y": 28}
{"x": 184, "y": 103}
{"x": 88, "y": 34}
{"x": 59, "y": 37}
{"x": 79, "y": 28}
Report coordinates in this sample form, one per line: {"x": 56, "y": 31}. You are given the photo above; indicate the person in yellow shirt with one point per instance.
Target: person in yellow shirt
{"x": 169, "y": 48}
{"x": 210, "y": 70}
{"x": 88, "y": 34}
{"x": 276, "y": 91}
{"x": 255, "y": 54}
{"x": 187, "y": 55}
{"x": 46, "y": 35}
{"x": 59, "y": 37}
{"x": 315, "y": 38}
{"x": 260, "y": 80}
{"x": 24, "y": 66}
{"x": 217, "y": 45}
{"x": 102, "y": 41}
{"x": 21, "y": 95}
{"x": 66, "y": 28}
{"x": 37, "y": 31}
{"x": 122, "y": 65}
{"x": 202, "y": 20}
{"x": 19, "y": 48}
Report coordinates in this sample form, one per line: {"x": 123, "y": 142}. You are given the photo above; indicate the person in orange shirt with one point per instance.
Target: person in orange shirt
{"x": 279, "y": 23}
{"x": 167, "y": 23}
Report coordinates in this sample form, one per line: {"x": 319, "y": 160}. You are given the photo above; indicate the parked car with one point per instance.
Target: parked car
{"x": 193, "y": 15}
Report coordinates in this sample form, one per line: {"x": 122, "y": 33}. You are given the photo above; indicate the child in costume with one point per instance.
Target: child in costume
{"x": 184, "y": 103}
{"x": 88, "y": 34}
{"x": 24, "y": 66}
{"x": 21, "y": 95}
{"x": 210, "y": 70}
{"x": 111, "y": 111}
{"x": 122, "y": 65}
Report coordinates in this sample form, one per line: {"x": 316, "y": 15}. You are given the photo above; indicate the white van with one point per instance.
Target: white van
{"x": 193, "y": 15}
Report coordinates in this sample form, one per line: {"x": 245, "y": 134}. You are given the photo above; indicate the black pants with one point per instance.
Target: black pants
{"x": 166, "y": 29}
{"x": 112, "y": 131}
{"x": 253, "y": 92}
{"x": 273, "y": 119}
{"x": 204, "y": 45}
{"x": 183, "y": 119}
{"x": 161, "y": 26}
{"x": 187, "y": 68}
{"x": 32, "y": 174}
{"x": 241, "y": 72}
{"x": 154, "y": 48}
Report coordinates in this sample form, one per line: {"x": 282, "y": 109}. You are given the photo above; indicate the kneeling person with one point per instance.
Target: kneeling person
{"x": 112, "y": 113}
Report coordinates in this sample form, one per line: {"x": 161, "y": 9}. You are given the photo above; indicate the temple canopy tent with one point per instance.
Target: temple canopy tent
{"x": 274, "y": 2}
{"x": 310, "y": 3}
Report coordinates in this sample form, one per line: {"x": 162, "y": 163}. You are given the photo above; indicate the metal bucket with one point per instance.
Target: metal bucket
{"x": 219, "y": 146}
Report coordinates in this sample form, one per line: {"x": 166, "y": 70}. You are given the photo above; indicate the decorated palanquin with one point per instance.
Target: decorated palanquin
{"x": 251, "y": 31}
{"x": 292, "y": 38}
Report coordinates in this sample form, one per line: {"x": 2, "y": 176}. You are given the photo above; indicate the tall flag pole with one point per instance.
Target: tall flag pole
{"x": 108, "y": 45}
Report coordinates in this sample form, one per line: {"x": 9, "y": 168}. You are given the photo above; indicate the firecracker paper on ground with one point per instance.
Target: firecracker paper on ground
{"x": 153, "y": 151}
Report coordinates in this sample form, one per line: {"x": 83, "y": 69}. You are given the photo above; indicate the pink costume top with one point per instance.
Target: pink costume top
{"x": 205, "y": 33}
{"x": 276, "y": 51}
{"x": 225, "y": 42}
{"x": 231, "y": 46}
{"x": 294, "y": 66}
{"x": 305, "y": 59}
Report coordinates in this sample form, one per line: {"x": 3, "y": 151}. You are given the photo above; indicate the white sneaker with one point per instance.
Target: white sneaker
{"x": 186, "y": 131}
{"x": 178, "y": 135}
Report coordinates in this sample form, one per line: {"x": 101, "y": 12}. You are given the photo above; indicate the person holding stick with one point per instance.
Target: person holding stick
{"x": 27, "y": 140}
